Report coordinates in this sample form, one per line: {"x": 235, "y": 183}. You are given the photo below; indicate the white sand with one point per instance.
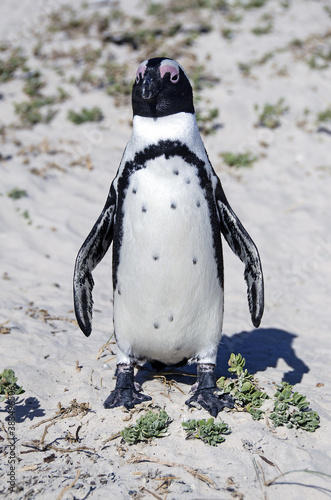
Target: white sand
{"x": 283, "y": 202}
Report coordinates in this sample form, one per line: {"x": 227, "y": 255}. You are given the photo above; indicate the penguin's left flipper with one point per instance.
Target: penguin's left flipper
{"x": 91, "y": 253}
{"x": 243, "y": 246}
{"x": 206, "y": 392}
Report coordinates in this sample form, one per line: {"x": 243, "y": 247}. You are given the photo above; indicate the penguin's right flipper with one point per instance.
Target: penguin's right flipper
{"x": 243, "y": 246}
{"x": 91, "y": 253}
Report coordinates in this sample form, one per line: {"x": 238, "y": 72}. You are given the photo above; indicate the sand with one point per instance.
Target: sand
{"x": 282, "y": 200}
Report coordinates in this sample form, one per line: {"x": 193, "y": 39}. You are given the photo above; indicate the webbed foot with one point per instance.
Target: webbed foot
{"x": 207, "y": 394}
{"x": 210, "y": 400}
{"x": 125, "y": 393}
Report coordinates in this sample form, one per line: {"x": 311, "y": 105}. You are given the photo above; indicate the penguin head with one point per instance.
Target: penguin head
{"x": 161, "y": 88}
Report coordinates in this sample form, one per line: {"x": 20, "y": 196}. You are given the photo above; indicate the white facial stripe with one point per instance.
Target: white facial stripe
{"x": 169, "y": 66}
{"x": 141, "y": 70}
{"x": 174, "y": 64}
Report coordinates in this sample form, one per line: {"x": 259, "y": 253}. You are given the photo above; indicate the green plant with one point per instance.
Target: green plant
{"x": 253, "y": 4}
{"x": 33, "y": 84}
{"x": 8, "y": 385}
{"x": 147, "y": 427}
{"x": 30, "y": 111}
{"x": 62, "y": 94}
{"x": 269, "y": 117}
{"x": 227, "y": 33}
{"x": 85, "y": 115}
{"x": 324, "y": 116}
{"x": 118, "y": 84}
{"x": 17, "y": 193}
{"x": 291, "y": 409}
{"x": 239, "y": 159}
{"x": 263, "y": 29}
{"x": 26, "y": 216}
{"x": 327, "y": 9}
{"x": 244, "y": 389}
{"x": 206, "y": 430}
{"x": 206, "y": 121}
{"x": 320, "y": 59}
{"x": 9, "y": 66}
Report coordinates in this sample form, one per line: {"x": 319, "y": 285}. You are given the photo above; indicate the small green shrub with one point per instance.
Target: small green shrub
{"x": 263, "y": 29}
{"x": 8, "y": 385}
{"x": 206, "y": 121}
{"x": 291, "y": 409}
{"x": 324, "y": 116}
{"x": 320, "y": 59}
{"x": 85, "y": 115}
{"x": 34, "y": 84}
{"x": 244, "y": 389}
{"x": 253, "y": 4}
{"x": 147, "y": 427}
{"x": 9, "y": 66}
{"x": 270, "y": 114}
{"x": 206, "y": 430}
{"x": 239, "y": 159}
{"x": 17, "y": 193}
{"x": 30, "y": 111}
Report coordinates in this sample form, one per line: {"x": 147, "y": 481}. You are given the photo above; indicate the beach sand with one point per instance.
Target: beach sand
{"x": 65, "y": 171}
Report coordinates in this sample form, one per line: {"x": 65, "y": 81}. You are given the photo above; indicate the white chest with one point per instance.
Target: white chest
{"x": 168, "y": 296}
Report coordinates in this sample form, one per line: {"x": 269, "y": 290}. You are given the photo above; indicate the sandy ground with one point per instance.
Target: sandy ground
{"x": 282, "y": 200}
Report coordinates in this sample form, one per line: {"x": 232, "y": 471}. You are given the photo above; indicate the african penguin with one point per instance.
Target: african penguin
{"x": 165, "y": 213}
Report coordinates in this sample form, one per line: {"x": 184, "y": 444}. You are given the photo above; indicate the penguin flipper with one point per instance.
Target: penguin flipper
{"x": 90, "y": 254}
{"x": 243, "y": 246}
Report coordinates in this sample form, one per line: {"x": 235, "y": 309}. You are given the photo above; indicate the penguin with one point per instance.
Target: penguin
{"x": 165, "y": 213}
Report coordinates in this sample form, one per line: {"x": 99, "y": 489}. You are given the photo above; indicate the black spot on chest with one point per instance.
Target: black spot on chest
{"x": 168, "y": 149}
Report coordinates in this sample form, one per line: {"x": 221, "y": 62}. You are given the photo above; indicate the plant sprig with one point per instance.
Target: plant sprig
{"x": 85, "y": 115}
{"x": 206, "y": 430}
{"x": 8, "y": 385}
{"x": 291, "y": 409}
{"x": 238, "y": 159}
{"x": 271, "y": 113}
{"x": 147, "y": 427}
{"x": 244, "y": 389}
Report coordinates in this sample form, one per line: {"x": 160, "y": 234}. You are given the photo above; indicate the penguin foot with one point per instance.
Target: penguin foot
{"x": 207, "y": 393}
{"x": 125, "y": 392}
{"x": 125, "y": 397}
{"x": 210, "y": 400}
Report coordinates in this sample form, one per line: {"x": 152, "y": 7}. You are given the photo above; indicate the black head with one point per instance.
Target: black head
{"x": 161, "y": 89}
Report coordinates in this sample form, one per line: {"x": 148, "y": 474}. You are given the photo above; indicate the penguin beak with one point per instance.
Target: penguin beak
{"x": 149, "y": 89}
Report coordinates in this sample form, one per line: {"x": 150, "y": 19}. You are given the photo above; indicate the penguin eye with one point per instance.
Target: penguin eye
{"x": 174, "y": 78}
{"x": 137, "y": 78}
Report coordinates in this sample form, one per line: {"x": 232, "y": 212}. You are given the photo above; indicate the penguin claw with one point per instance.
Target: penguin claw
{"x": 127, "y": 397}
{"x": 210, "y": 400}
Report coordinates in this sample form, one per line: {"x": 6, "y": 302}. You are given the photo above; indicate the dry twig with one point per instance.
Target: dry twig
{"x": 67, "y": 488}
{"x": 193, "y": 472}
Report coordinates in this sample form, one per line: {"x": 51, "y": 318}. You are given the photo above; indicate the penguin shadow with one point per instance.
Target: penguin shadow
{"x": 262, "y": 348}
{"x": 25, "y": 409}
